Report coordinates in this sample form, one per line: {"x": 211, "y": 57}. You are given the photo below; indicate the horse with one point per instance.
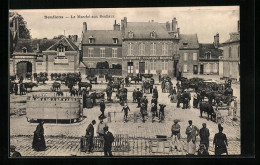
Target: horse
{"x": 114, "y": 85}
{"x": 98, "y": 96}
{"x": 84, "y": 84}
{"x": 207, "y": 108}
{"x": 183, "y": 98}
{"x": 136, "y": 79}
{"x": 91, "y": 79}
{"x": 29, "y": 85}
{"x": 56, "y": 86}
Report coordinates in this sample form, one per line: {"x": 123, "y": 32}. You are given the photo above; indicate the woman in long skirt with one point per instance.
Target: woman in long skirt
{"x": 38, "y": 143}
{"x": 192, "y": 131}
{"x": 220, "y": 142}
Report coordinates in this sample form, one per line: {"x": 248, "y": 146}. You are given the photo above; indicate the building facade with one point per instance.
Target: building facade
{"x": 44, "y": 55}
{"x": 189, "y": 53}
{"x": 231, "y": 56}
{"x": 209, "y": 57}
{"x": 101, "y": 45}
{"x": 149, "y": 47}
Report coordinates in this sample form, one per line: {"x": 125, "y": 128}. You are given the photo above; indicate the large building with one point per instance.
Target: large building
{"x": 44, "y": 55}
{"x": 209, "y": 57}
{"x": 231, "y": 56}
{"x": 149, "y": 47}
{"x": 189, "y": 51}
{"x": 101, "y": 46}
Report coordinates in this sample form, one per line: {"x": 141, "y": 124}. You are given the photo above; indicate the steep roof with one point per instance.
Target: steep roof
{"x": 190, "y": 39}
{"x": 102, "y": 36}
{"x": 234, "y": 37}
{"x": 31, "y": 44}
{"x": 66, "y": 42}
{"x": 215, "y": 52}
{"x": 142, "y": 30}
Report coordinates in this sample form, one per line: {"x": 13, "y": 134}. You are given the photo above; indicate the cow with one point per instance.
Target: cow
{"x": 207, "y": 108}
{"x": 84, "y": 84}
{"x": 41, "y": 79}
{"x": 29, "y": 85}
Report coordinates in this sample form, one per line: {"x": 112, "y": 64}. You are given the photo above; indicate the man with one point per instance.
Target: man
{"x": 134, "y": 95}
{"x": 220, "y": 142}
{"x": 202, "y": 150}
{"x": 176, "y": 129}
{"x": 155, "y": 92}
{"x": 145, "y": 101}
{"x": 143, "y": 111}
{"x": 138, "y": 97}
{"x": 204, "y": 136}
{"x": 154, "y": 111}
{"x": 108, "y": 138}
{"x": 14, "y": 153}
{"x": 191, "y": 132}
{"x": 174, "y": 91}
{"x": 125, "y": 109}
{"x": 109, "y": 93}
{"x": 90, "y": 135}
{"x": 15, "y": 88}
{"x": 160, "y": 77}
{"x": 195, "y": 100}
{"x": 185, "y": 99}
{"x": 102, "y": 109}
{"x": 100, "y": 127}
{"x": 94, "y": 97}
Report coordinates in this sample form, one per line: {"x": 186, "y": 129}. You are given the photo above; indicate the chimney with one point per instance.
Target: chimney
{"x": 84, "y": 27}
{"x": 125, "y": 21}
{"x": 238, "y": 26}
{"x": 174, "y": 24}
{"x": 168, "y": 26}
{"x": 216, "y": 40}
{"x": 116, "y": 27}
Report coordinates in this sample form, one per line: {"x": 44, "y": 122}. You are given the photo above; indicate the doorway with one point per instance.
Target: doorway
{"x": 141, "y": 67}
{"x": 195, "y": 69}
{"x": 201, "y": 69}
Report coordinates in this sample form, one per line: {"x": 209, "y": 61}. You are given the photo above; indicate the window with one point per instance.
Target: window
{"x": 153, "y": 34}
{"x": 142, "y": 49}
{"x": 229, "y": 52}
{"x": 130, "y": 49}
{"x": 24, "y": 49}
{"x": 153, "y": 49}
{"x": 115, "y": 40}
{"x": 146, "y": 65}
{"x": 152, "y": 67}
{"x": 238, "y": 51}
{"x": 102, "y": 52}
{"x": 165, "y": 49}
{"x": 91, "y": 40}
{"x": 208, "y": 55}
{"x": 114, "y": 52}
{"x": 185, "y": 44}
{"x": 130, "y": 34}
{"x": 185, "y": 68}
{"x": 195, "y": 56}
{"x": 90, "y": 52}
{"x": 130, "y": 67}
{"x": 211, "y": 67}
{"x": 185, "y": 56}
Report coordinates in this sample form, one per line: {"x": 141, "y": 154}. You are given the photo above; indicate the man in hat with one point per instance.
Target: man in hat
{"x": 202, "y": 150}
{"x": 145, "y": 101}
{"x": 143, "y": 111}
{"x": 155, "y": 92}
{"x": 134, "y": 95}
{"x": 176, "y": 129}
{"x": 204, "y": 136}
{"x": 125, "y": 109}
{"x": 108, "y": 140}
{"x": 174, "y": 91}
{"x": 90, "y": 135}
{"x": 138, "y": 97}
{"x": 154, "y": 111}
{"x": 94, "y": 97}
{"x": 191, "y": 131}
{"x": 14, "y": 153}
{"x": 102, "y": 109}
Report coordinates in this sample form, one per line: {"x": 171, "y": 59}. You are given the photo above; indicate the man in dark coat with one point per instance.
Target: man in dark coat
{"x": 14, "y": 153}
{"x": 102, "y": 109}
{"x": 15, "y": 88}
{"x": 90, "y": 135}
{"x": 145, "y": 101}
{"x": 109, "y": 93}
{"x": 155, "y": 92}
{"x": 138, "y": 97}
{"x": 204, "y": 136}
{"x": 143, "y": 111}
{"x": 134, "y": 95}
{"x": 160, "y": 77}
{"x": 154, "y": 111}
{"x": 38, "y": 143}
{"x": 174, "y": 91}
{"x": 108, "y": 138}
{"x": 94, "y": 97}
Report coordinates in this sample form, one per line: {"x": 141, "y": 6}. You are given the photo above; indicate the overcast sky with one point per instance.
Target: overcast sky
{"x": 205, "y": 21}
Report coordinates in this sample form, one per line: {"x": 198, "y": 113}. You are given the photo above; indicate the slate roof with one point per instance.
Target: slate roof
{"x": 191, "y": 39}
{"x": 66, "y": 42}
{"x": 102, "y": 36}
{"x": 234, "y": 37}
{"x": 142, "y": 30}
{"x": 215, "y": 52}
{"x": 31, "y": 44}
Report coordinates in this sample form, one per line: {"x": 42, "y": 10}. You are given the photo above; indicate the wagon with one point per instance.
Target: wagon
{"x": 53, "y": 108}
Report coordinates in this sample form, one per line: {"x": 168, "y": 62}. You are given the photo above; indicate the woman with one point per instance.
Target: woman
{"x": 191, "y": 131}
{"x": 38, "y": 139}
{"x": 220, "y": 142}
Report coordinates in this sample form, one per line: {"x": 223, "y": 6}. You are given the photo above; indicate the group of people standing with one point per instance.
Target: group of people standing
{"x": 219, "y": 142}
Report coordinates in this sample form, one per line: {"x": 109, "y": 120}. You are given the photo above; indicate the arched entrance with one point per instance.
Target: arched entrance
{"x": 23, "y": 67}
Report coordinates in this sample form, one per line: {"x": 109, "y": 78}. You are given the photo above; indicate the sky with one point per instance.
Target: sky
{"x": 203, "y": 21}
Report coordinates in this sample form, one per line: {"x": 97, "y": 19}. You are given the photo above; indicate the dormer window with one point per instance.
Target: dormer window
{"x": 24, "y": 49}
{"x": 185, "y": 44}
{"x": 130, "y": 34}
{"x": 153, "y": 34}
{"x": 115, "y": 40}
{"x": 208, "y": 55}
{"x": 91, "y": 40}
{"x": 61, "y": 50}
